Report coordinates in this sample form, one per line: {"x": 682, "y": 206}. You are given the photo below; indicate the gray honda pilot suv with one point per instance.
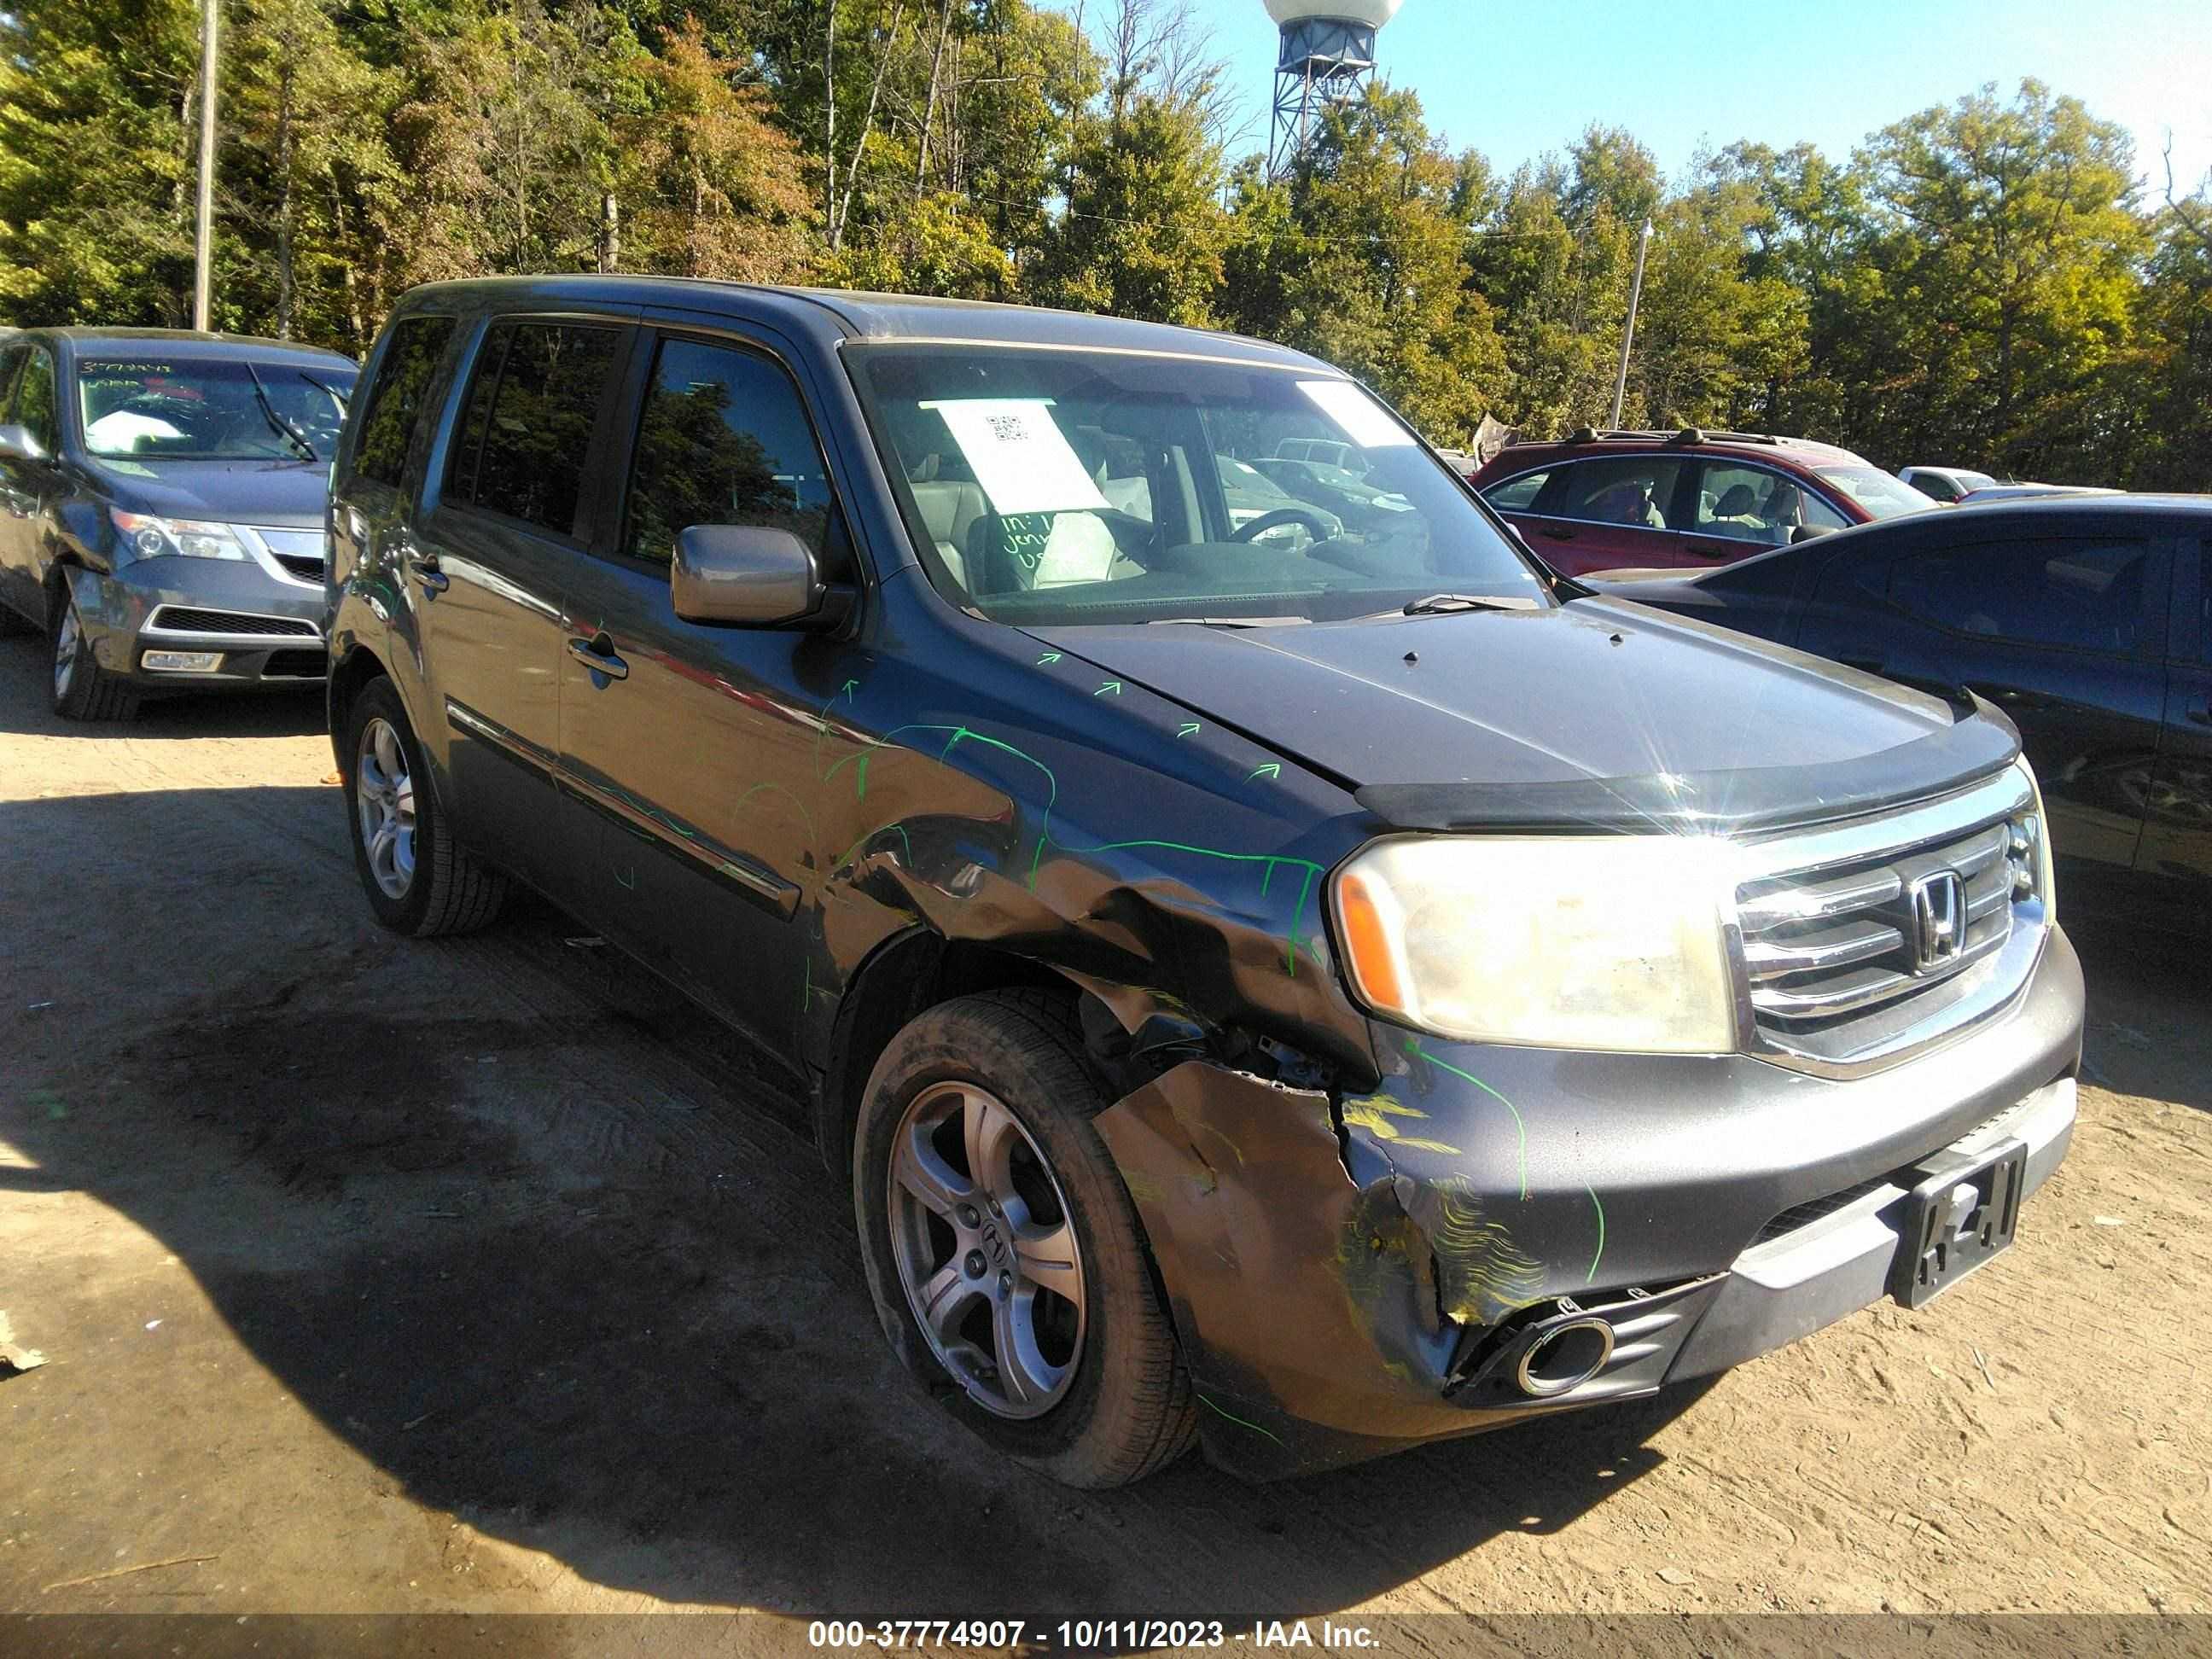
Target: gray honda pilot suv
{"x": 1277, "y": 970}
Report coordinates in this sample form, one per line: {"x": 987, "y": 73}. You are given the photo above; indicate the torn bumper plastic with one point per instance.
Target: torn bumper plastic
{"x": 1351, "y": 1275}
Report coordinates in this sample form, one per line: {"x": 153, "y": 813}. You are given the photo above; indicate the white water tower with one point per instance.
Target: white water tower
{"x": 1328, "y": 53}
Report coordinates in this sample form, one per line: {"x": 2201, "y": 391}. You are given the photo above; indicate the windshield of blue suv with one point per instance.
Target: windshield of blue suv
{"x": 147, "y": 407}
{"x": 1059, "y": 486}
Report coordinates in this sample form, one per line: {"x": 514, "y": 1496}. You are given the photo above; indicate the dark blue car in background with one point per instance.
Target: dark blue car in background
{"x": 162, "y": 505}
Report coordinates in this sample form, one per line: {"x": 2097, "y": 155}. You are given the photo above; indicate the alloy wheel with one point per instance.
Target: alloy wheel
{"x": 985, "y": 1250}
{"x": 384, "y": 800}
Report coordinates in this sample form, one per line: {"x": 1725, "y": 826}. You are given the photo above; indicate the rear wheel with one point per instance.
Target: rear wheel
{"x": 83, "y": 691}
{"x": 1004, "y": 1256}
{"x": 418, "y": 880}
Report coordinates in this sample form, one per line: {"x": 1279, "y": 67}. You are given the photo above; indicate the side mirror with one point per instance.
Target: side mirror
{"x": 747, "y": 576}
{"x": 1805, "y": 532}
{"x": 16, "y": 444}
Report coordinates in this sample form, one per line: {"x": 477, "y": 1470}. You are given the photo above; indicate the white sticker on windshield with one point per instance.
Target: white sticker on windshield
{"x": 1019, "y": 455}
{"x": 1363, "y": 420}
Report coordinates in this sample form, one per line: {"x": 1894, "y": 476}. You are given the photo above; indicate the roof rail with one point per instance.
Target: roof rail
{"x": 1687, "y": 435}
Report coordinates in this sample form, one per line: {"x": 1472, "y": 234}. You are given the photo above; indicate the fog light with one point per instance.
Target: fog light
{"x": 182, "y": 662}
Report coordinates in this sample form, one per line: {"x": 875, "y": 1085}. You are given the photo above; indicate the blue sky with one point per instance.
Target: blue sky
{"x": 1513, "y": 80}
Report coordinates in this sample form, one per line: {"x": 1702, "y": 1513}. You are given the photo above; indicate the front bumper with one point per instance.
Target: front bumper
{"x": 1344, "y": 1272}
{"x": 264, "y": 630}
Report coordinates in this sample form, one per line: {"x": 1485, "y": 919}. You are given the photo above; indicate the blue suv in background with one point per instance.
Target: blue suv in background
{"x": 162, "y": 500}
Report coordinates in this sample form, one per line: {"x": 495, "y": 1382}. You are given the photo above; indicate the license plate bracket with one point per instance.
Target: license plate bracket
{"x": 1963, "y": 1210}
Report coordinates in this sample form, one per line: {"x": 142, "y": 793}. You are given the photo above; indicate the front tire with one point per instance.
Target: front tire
{"x": 83, "y": 691}
{"x": 1006, "y": 1259}
{"x": 419, "y": 881}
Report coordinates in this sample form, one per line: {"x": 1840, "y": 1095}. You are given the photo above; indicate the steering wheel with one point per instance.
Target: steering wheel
{"x": 1314, "y": 524}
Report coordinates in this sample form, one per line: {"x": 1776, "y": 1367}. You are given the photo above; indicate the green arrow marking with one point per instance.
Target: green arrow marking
{"x": 847, "y": 689}
{"x": 1049, "y": 656}
{"x": 1189, "y": 729}
{"x": 1272, "y": 769}
{"x": 1113, "y": 686}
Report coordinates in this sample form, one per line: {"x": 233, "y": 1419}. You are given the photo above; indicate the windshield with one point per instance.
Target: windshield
{"x": 1072, "y": 487}
{"x": 1878, "y": 493}
{"x": 206, "y": 409}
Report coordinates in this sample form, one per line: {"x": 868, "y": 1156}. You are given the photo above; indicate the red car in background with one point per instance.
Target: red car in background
{"x": 1693, "y": 499}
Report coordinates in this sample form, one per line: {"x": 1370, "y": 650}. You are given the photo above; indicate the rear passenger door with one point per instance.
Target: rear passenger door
{"x": 1610, "y": 513}
{"x": 2177, "y": 828}
{"x": 506, "y": 518}
{"x": 694, "y": 753}
{"x": 2067, "y": 635}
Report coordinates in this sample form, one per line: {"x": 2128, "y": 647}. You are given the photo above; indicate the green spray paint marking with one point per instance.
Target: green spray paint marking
{"x": 1413, "y": 1047}
{"x": 1113, "y": 687}
{"x": 1591, "y": 1276}
{"x": 778, "y": 789}
{"x": 882, "y": 828}
{"x": 958, "y": 735}
{"x": 1237, "y": 1421}
{"x": 1049, "y": 657}
{"x": 1190, "y": 729}
{"x": 1272, "y": 769}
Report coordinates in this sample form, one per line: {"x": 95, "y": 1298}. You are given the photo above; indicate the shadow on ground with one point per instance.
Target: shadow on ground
{"x": 289, "y": 713}
{"x": 2150, "y": 1008}
{"x": 636, "y": 1338}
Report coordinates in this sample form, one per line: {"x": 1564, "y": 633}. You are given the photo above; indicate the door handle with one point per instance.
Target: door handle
{"x": 588, "y": 652}
{"x": 1555, "y": 532}
{"x": 2201, "y": 713}
{"x": 425, "y": 568}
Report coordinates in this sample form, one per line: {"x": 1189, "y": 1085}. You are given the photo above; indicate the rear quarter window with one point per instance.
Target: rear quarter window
{"x": 399, "y": 396}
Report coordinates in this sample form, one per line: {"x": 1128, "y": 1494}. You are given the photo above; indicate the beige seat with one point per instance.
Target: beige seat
{"x": 951, "y": 510}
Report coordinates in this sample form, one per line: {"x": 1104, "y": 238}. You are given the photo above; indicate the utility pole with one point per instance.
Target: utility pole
{"x": 1628, "y": 334}
{"x": 203, "y": 237}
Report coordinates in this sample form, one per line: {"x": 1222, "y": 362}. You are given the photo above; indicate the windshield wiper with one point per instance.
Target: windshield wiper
{"x": 1438, "y": 603}
{"x": 335, "y": 396}
{"x": 1227, "y": 622}
{"x": 283, "y": 427}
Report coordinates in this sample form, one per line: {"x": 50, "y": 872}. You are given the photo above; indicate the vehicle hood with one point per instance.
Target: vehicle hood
{"x": 1596, "y": 714}
{"x": 287, "y": 494}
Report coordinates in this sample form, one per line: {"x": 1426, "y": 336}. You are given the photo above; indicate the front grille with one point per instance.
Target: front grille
{"x": 1855, "y": 935}
{"x": 295, "y": 666}
{"x": 185, "y": 619}
{"x": 300, "y": 554}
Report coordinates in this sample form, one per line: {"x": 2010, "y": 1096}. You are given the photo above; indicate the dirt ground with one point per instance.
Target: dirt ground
{"x": 375, "y": 1276}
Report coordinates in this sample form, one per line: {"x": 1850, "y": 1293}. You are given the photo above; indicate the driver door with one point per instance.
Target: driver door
{"x": 692, "y": 757}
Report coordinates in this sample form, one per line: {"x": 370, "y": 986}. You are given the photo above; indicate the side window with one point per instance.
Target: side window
{"x": 1517, "y": 494}
{"x": 2086, "y": 594}
{"x": 1751, "y": 504}
{"x": 533, "y": 401}
{"x": 396, "y": 400}
{"x": 723, "y": 439}
{"x": 32, "y": 404}
{"x": 1630, "y": 489}
{"x": 11, "y": 359}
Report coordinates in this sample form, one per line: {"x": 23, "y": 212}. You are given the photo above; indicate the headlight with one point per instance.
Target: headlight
{"x": 2036, "y": 830}
{"x": 1611, "y": 942}
{"x": 149, "y": 538}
